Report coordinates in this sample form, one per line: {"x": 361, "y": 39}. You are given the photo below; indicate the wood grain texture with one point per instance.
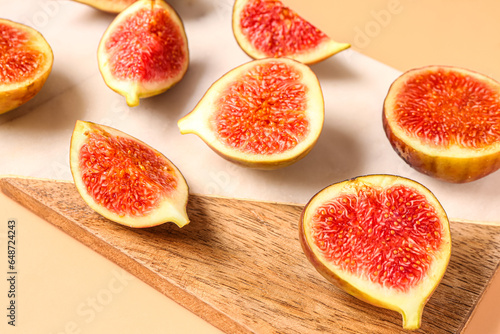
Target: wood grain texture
{"x": 239, "y": 264}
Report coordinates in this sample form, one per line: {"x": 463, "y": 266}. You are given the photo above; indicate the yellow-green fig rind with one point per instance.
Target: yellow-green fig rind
{"x": 172, "y": 208}
{"x": 409, "y": 304}
{"x": 134, "y": 90}
{"x": 452, "y": 164}
{"x": 14, "y": 95}
{"x": 453, "y": 169}
{"x": 199, "y": 119}
{"x": 324, "y": 50}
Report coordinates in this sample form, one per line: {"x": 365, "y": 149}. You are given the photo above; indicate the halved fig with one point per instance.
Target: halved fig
{"x": 445, "y": 122}
{"x": 125, "y": 180}
{"x": 144, "y": 51}
{"x": 267, "y": 28}
{"x": 266, "y": 114}
{"x": 382, "y": 238}
{"x": 26, "y": 60}
{"x": 110, "y": 6}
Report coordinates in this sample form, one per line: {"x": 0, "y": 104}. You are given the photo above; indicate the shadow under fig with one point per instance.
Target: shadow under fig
{"x": 193, "y": 9}
{"x": 335, "y": 157}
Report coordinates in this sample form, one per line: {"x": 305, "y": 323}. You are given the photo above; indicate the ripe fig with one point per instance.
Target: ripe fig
{"x": 383, "y": 239}
{"x": 267, "y": 28}
{"x": 144, "y": 51}
{"x": 265, "y": 114}
{"x": 125, "y": 180}
{"x": 26, "y": 60}
{"x": 445, "y": 122}
{"x": 110, "y": 6}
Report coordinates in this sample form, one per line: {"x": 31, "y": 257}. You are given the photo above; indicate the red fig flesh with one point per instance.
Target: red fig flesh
{"x": 384, "y": 239}
{"x": 267, "y": 28}
{"x": 266, "y": 114}
{"x": 445, "y": 122}
{"x": 125, "y": 180}
{"x": 25, "y": 61}
{"x": 144, "y": 51}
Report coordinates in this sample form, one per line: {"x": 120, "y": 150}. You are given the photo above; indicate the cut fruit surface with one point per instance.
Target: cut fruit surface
{"x": 267, "y": 28}
{"x": 144, "y": 51}
{"x": 266, "y": 114}
{"x": 384, "y": 239}
{"x": 125, "y": 180}
{"x": 110, "y": 6}
{"x": 26, "y": 61}
{"x": 445, "y": 122}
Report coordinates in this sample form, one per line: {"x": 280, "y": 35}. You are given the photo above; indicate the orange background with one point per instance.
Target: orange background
{"x": 406, "y": 34}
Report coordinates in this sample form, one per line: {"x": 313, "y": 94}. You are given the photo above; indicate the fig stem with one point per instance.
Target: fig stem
{"x": 179, "y": 216}
{"x": 185, "y": 125}
{"x": 412, "y": 316}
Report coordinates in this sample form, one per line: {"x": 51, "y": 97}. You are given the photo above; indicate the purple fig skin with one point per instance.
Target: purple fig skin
{"x": 449, "y": 169}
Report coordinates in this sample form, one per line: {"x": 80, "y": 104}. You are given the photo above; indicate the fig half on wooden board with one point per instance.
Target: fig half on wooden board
{"x": 382, "y": 238}
{"x": 267, "y": 28}
{"x": 124, "y": 179}
{"x": 445, "y": 122}
{"x": 26, "y": 60}
{"x": 110, "y": 6}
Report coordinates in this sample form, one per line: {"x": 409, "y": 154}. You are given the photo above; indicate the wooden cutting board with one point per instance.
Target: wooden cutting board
{"x": 239, "y": 264}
